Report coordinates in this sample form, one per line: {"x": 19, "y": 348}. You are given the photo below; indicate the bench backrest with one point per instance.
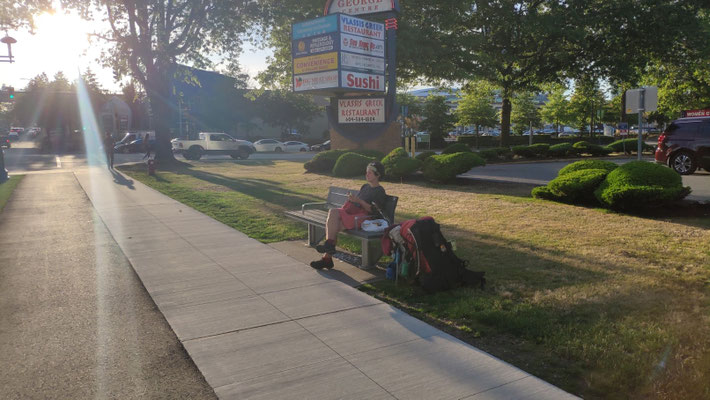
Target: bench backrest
{"x": 337, "y": 197}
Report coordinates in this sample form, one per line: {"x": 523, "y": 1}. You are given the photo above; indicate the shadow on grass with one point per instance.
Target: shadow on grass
{"x": 263, "y": 189}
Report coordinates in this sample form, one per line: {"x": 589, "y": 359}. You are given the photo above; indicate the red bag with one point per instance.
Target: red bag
{"x": 352, "y": 208}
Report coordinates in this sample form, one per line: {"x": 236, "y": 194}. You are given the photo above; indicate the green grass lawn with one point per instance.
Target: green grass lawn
{"x": 6, "y": 189}
{"x": 604, "y": 305}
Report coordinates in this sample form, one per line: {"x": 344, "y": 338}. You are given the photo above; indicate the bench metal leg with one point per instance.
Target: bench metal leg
{"x": 371, "y": 253}
{"x": 315, "y": 234}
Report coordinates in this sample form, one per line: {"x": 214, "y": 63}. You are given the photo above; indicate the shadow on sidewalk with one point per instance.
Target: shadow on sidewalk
{"x": 121, "y": 180}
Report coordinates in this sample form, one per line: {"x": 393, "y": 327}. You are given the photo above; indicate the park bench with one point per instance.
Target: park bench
{"x": 315, "y": 214}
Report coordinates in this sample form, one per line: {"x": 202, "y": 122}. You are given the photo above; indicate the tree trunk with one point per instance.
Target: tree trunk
{"x": 505, "y": 119}
{"x": 158, "y": 90}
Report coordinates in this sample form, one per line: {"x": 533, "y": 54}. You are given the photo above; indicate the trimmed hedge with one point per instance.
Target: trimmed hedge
{"x": 540, "y": 149}
{"x": 577, "y": 186}
{"x": 456, "y": 148}
{"x": 585, "y": 147}
{"x": 398, "y": 164}
{"x": 561, "y": 150}
{"x": 351, "y": 164}
{"x": 496, "y": 153}
{"x": 523, "y": 151}
{"x": 588, "y": 164}
{"x": 445, "y": 167}
{"x": 324, "y": 161}
{"x": 639, "y": 185}
{"x": 628, "y": 146}
{"x": 514, "y": 140}
{"x": 424, "y": 155}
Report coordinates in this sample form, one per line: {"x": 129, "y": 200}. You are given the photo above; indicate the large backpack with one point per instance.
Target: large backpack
{"x": 438, "y": 268}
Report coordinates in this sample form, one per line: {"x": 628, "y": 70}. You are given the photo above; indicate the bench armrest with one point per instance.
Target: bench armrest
{"x": 308, "y": 205}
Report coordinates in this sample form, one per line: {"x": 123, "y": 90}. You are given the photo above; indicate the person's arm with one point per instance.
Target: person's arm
{"x": 365, "y": 205}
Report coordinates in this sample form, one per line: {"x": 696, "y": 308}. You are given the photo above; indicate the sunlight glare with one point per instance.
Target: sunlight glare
{"x": 63, "y": 41}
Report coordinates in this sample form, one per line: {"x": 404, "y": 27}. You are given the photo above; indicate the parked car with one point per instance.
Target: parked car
{"x": 130, "y": 144}
{"x": 269, "y": 145}
{"x": 685, "y": 145}
{"x": 14, "y": 136}
{"x": 295, "y": 146}
{"x": 5, "y": 142}
{"x": 216, "y": 143}
{"x": 321, "y": 146}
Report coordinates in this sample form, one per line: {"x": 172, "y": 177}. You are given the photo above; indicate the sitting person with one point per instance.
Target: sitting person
{"x": 368, "y": 201}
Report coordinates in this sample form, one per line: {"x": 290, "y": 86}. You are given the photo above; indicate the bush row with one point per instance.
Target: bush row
{"x": 633, "y": 186}
{"x": 398, "y": 164}
{"x": 513, "y": 140}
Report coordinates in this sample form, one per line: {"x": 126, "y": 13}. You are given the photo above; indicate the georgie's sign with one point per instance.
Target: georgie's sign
{"x": 358, "y": 111}
{"x": 317, "y": 63}
{"x": 352, "y": 47}
{"x": 356, "y": 7}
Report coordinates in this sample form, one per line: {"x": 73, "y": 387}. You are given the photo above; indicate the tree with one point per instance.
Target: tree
{"x": 150, "y": 37}
{"x": 557, "y": 109}
{"x": 437, "y": 119}
{"x": 586, "y": 102}
{"x": 14, "y": 14}
{"x": 525, "y": 113}
{"x": 475, "y": 107}
{"x": 284, "y": 109}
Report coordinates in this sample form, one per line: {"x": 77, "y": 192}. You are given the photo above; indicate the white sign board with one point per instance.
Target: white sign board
{"x": 357, "y": 61}
{"x": 358, "y": 111}
{"x": 650, "y": 100}
{"x": 362, "y": 45}
{"x": 361, "y": 27}
{"x": 321, "y": 80}
{"x": 362, "y": 81}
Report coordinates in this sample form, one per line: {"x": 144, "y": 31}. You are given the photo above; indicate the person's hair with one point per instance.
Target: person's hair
{"x": 379, "y": 168}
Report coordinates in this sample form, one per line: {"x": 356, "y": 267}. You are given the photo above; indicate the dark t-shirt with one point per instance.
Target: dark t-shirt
{"x": 375, "y": 195}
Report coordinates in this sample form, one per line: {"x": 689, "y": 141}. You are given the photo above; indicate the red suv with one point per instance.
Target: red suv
{"x": 685, "y": 145}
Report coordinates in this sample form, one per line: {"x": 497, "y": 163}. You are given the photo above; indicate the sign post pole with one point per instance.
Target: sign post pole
{"x": 640, "y": 130}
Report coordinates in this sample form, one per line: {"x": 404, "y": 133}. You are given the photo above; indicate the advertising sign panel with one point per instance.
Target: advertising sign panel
{"x": 696, "y": 113}
{"x": 357, "y": 7}
{"x": 357, "y": 61}
{"x": 316, "y": 63}
{"x": 362, "y": 81}
{"x": 361, "y": 45}
{"x": 358, "y": 111}
{"x": 315, "y": 45}
{"x": 361, "y": 27}
{"x": 314, "y": 27}
{"x": 320, "y": 80}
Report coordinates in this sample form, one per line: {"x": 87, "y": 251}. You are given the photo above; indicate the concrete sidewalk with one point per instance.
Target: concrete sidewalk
{"x": 261, "y": 325}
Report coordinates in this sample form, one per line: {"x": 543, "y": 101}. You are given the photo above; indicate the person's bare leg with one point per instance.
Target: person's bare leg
{"x": 332, "y": 224}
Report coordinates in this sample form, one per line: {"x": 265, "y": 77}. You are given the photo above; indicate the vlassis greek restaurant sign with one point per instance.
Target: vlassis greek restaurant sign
{"x": 358, "y": 111}
{"x": 357, "y": 7}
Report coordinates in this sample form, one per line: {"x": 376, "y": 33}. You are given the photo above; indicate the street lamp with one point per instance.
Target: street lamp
{"x": 9, "y": 41}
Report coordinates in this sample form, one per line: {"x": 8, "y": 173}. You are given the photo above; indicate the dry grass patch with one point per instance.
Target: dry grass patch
{"x": 604, "y": 305}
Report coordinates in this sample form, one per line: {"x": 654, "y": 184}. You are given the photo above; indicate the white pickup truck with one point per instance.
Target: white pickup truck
{"x": 213, "y": 143}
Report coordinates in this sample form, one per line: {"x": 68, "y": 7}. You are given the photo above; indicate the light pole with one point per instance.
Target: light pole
{"x": 9, "y": 41}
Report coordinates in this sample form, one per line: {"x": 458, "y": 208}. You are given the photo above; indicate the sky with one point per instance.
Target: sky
{"x": 60, "y": 43}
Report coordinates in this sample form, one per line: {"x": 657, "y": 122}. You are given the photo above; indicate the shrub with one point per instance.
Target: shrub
{"x": 628, "y": 146}
{"x": 592, "y": 149}
{"x": 588, "y": 164}
{"x": 543, "y": 192}
{"x": 577, "y": 186}
{"x": 561, "y": 150}
{"x": 423, "y": 156}
{"x": 488, "y": 154}
{"x": 445, "y": 167}
{"x": 398, "y": 164}
{"x": 456, "y": 148}
{"x": 639, "y": 185}
{"x": 540, "y": 149}
{"x": 404, "y": 167}
{"x": 351, "y": 164}
{"x": 323, "y": 161}
{"x": 523, "y": 151}
{"x": 378, "y": 155}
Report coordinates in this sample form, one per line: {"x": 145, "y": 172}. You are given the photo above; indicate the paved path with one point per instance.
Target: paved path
{"x": 261, "y": 325}
{"x": 75, "y": 320}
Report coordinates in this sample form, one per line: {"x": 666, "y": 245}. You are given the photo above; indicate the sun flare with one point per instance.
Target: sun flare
{"x": 63, "y": 41}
